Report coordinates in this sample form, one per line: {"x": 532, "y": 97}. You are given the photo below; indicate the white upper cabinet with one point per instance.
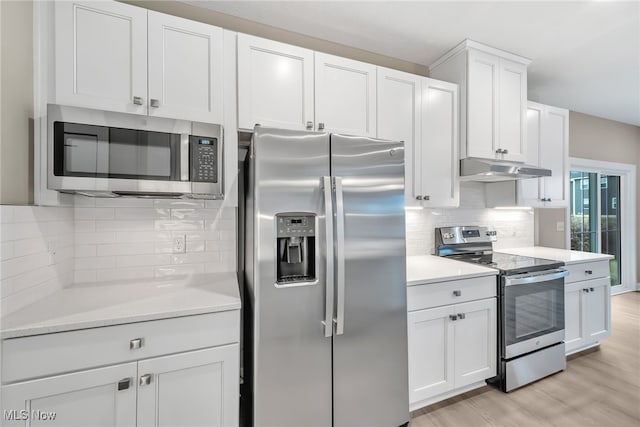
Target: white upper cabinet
{"x": 345, "y": 95}
{"x": 437, "y": 154}
{"x": 493, "y": 99}
{"x": 117, "y": 57}
{"x": 547, "y": 147}
{"x": 399, "y": 110}
{"x": 101, "y": 56}
{"x": 423, "y": 113}
{"x": 275, "y": 84}
{"x": 185, "y": 69}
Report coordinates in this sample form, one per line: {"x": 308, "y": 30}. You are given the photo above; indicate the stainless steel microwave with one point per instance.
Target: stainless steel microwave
{"x": 98, "y": 153}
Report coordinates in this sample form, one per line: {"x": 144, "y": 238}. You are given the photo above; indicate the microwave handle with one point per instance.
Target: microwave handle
{"x": 184, "y": 157}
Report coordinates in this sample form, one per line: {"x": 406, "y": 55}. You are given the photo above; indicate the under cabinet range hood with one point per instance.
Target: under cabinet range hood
{"x": 483, "y": 170}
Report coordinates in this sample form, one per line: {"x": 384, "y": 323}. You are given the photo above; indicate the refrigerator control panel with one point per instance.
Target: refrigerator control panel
{"x": 293, "y": 225}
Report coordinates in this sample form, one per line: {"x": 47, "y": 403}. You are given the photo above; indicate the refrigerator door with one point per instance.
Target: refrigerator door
{"x": 370, "y": 385}
{"x": 292, "y": 355}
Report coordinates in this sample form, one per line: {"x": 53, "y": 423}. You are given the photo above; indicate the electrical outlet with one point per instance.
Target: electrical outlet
{"x": 52, "y": 248}
{"x": 179, "y": 244}
{"x": 560, "y": 226}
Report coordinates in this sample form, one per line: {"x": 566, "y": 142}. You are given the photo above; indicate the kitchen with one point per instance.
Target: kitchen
{"x": 81, "y": 275}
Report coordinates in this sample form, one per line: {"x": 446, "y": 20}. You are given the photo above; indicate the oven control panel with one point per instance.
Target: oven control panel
{"x": 466, "y": 234}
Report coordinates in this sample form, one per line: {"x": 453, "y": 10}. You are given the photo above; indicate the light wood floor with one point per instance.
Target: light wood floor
{"x": 600, "y": 387}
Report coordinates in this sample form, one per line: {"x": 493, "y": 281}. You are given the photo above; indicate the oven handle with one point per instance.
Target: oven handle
{"x": 538, "y": 278}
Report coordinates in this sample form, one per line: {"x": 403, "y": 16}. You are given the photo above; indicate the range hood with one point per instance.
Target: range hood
{"x": 482, "y": 170}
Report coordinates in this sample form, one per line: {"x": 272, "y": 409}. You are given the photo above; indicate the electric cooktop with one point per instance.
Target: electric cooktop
{"x": 508, "y": 264}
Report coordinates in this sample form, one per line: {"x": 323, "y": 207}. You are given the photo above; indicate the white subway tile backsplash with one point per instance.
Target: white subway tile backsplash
{"x": 109, "y": 239}
{"x": 179, "y": 225}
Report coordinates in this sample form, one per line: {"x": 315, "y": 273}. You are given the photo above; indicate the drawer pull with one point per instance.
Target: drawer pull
{"x": 145, "y": 380}
{"x": 135, "y": 344}
{"x": 124, "y": 384}
{"x": 457, "y": 293}
{"x": 453, "y": 317}
{"x": 588, "y": 272}
{"x": 585, "y": 290}
{"x": 461, "y": 315}
{"x": 591, "y": 289}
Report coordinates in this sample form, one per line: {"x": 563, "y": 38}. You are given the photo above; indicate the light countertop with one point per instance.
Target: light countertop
{"x": 105, "y": 304}
{"x": 425, "y": 269}
{"x": 564, "y": 255}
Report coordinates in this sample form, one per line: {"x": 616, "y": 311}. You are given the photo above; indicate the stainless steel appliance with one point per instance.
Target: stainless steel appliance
{"x": 325, "y": 297}
{"x": 530, "y": 301}
{"x": 483, "y": 170}
{"x": 100, "y": 153}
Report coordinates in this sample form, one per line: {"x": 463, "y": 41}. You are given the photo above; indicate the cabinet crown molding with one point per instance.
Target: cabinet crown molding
{"x": 468, "y": 44}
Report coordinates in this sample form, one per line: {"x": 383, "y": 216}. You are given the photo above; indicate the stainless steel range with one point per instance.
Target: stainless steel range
{"x": 530, "y": 301}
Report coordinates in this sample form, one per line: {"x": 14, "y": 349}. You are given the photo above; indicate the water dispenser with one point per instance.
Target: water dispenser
{"x": 295, "y": 258}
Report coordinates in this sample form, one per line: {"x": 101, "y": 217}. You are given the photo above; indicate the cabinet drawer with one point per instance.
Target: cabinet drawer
{"x": 42, "y": 355}
{"x": 587, "y": 271}
{"x": 444, "y": 293}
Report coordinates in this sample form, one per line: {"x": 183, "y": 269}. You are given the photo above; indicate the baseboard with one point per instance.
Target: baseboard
{"x": 414, "y": 406}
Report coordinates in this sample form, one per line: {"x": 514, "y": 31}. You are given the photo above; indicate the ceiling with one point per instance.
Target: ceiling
{"x": 585, "y": 55}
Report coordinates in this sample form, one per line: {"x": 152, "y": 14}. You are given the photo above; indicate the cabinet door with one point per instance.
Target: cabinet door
{"x": 275, "y": 84}
{"x": 185, "y": 69}
{"x": 482, "y": 105}
{"x": 101, "y": 56}
{"x": 98, "y": 397}
{"x": 198, "y": 388}
{"x": 529, "y": 190}
{"x": 345, "y": 95}
{"x": 597, "y": 309}
{"x": 554, "y": 153}
{"x": 475, "y": 332}
{"x": 513, "y": 110}
{"x": 573, "y": 316}
{"x": 437, "y": 152}
{"x": 430, "y": 353}
{"x": 399, "y": 104}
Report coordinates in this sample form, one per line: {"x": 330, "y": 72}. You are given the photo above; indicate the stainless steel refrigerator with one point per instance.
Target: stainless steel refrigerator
{"x": 325, "y": 298}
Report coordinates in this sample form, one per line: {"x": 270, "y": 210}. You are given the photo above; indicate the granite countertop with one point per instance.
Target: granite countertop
{"x": 424, "y": 269}
{"x": 565, "y": 255}
{"x": 112, "y": 303}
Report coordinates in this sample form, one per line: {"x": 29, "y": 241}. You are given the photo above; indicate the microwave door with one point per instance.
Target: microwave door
{"x": 86, "y": 153}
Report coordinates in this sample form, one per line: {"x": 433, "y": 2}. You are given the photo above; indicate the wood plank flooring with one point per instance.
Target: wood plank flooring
{"x": 600, "y": 387}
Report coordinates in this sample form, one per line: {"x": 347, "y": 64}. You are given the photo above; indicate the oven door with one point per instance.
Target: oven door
{"x": 532, "y": 311}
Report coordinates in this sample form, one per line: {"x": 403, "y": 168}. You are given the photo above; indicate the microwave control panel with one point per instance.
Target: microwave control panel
{"x": 204, "y": 159}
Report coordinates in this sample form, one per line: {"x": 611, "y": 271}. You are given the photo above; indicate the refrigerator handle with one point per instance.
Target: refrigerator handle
{"x": 328, "y": 214}
{"x": 340, "y": 264}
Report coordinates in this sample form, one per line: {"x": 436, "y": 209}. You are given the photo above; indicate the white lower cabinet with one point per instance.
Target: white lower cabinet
{"x": 587, "y": 313}
{"x": 452, "y": 348}
{"x": 149, "y": 379}
{"x": 189, "y": 389}
{"x": 103, "y": 397}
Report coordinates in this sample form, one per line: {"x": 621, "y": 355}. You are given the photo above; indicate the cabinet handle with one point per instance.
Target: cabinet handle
{"x": 418, "y": 197}
{"x": 499, "y": 151}
{"x": 589, "y": 272}
{"x": 457, "y": 293}
{"x": 137, "y": 100}
{"x": 461, "y": 315}
{"x": 426, "y": 197}
{"x": 453, "y": 317}
{"x": 124, "y": 384}
{"x": 505, "y": 151}
{"x": 586, "y": 290}
{"x": 320, "y": 126}
{"x": 145, "y": 380}
{"x": 155, "y": 103}
{"x": 309, "y": 125}
{"x": 135, "y": 344}
{"x": 591, "y": 289}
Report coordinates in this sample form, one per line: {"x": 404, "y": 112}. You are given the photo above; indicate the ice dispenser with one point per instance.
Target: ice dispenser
{"x": 296, "y": 247}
